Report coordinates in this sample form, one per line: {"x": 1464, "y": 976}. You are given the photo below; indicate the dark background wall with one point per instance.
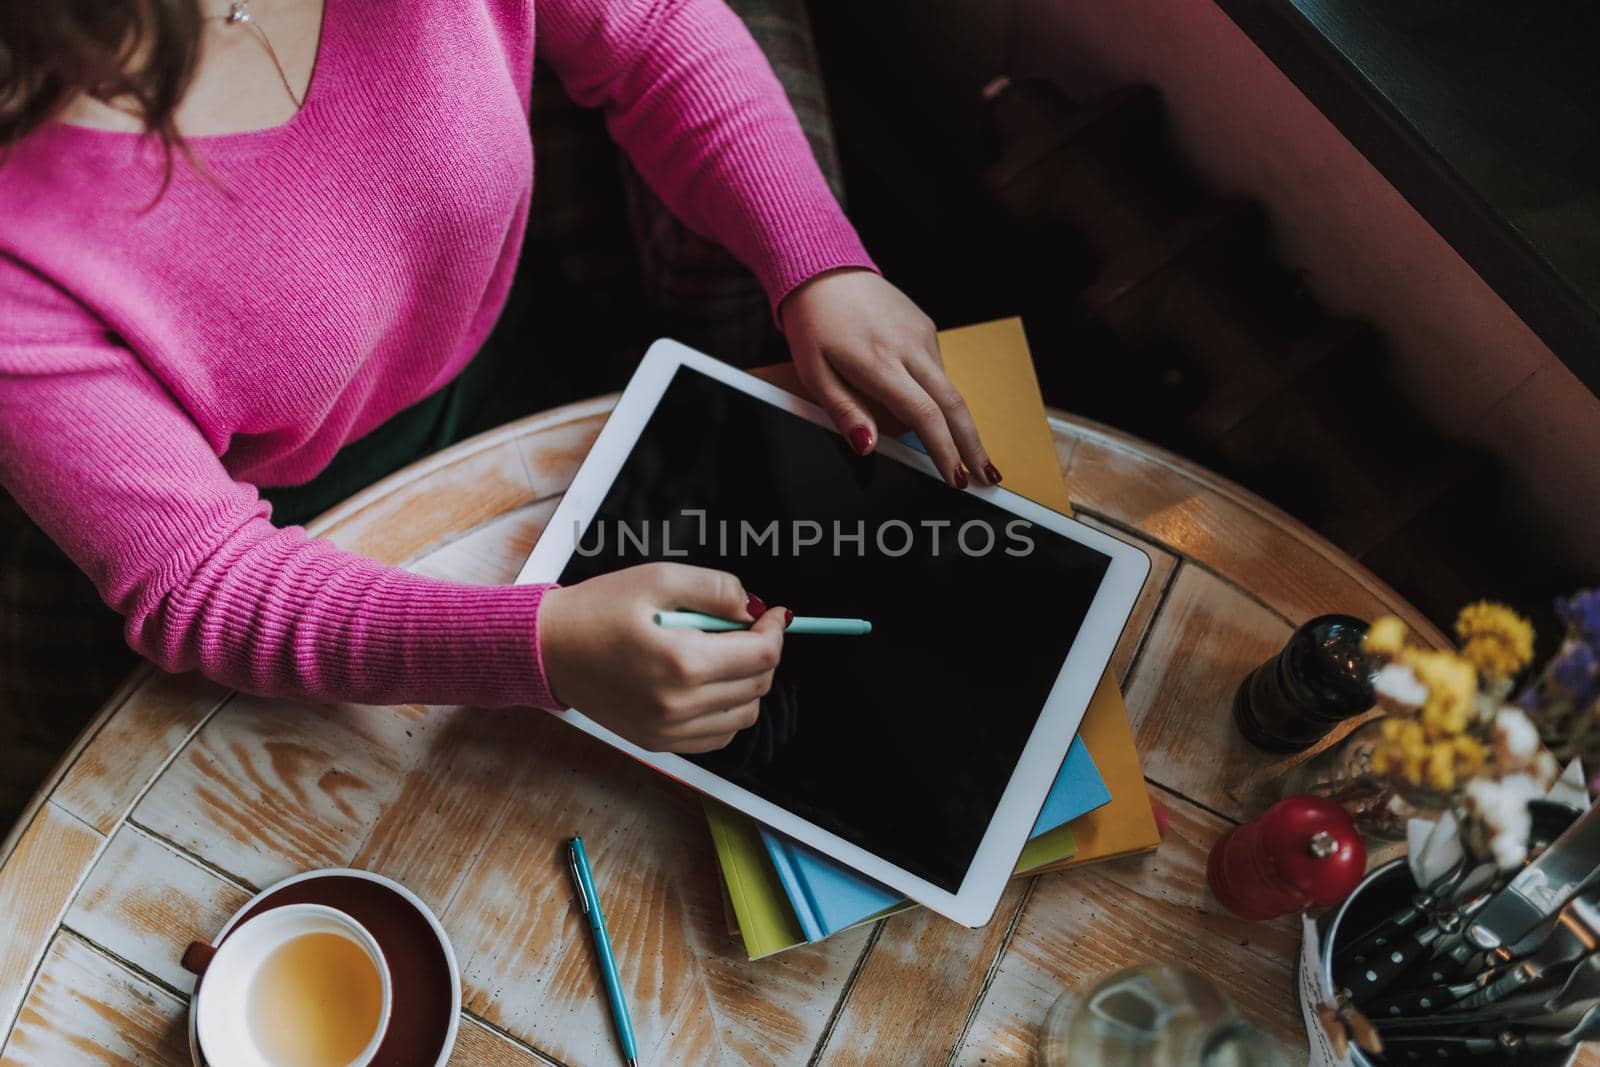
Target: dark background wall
{"x": 1450, "y": 450}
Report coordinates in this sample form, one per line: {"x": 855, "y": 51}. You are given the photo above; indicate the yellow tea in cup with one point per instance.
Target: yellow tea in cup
{"x": 315, "y": 1001}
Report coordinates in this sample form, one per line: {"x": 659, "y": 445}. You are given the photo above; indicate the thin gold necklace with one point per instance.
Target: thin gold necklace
{"x": 239, "y": 15}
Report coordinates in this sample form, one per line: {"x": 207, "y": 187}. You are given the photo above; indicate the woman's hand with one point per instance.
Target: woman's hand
{"x": 854, "y": 335}
{"x": 664, "y": 690}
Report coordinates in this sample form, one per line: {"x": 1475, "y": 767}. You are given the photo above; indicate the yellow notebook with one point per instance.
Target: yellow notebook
{"x": 991, "y": 365}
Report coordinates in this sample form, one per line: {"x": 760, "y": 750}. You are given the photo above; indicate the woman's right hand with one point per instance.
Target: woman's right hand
{"x": 664, "y": 690}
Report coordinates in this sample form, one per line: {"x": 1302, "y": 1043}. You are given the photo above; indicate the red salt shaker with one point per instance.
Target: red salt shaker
{"x": 1304, "y": 852}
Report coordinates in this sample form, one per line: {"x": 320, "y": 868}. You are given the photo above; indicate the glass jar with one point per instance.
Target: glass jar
{"x": 1152, "y": 1015}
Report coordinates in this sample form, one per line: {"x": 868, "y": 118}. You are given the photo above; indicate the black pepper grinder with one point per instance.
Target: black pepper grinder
{"x": 1321, "y": 678}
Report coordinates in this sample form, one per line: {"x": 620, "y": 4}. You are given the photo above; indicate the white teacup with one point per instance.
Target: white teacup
{"x": 238, "y": 1028}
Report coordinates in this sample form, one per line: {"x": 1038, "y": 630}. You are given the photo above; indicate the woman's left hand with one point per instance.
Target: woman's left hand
{"x": 854, "y": 335}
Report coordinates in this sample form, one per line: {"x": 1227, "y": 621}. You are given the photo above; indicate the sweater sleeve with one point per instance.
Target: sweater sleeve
{"x": 695, "y": 104}
{"x": 96, "y": 450}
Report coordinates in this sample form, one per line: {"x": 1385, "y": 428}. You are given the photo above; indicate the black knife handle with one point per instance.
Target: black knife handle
{"x": 1419, "y": 1001}
{"x": 1440, "y": 1047}
{"x": 1376, "y": 941}
{"x": 1368, "y": 980}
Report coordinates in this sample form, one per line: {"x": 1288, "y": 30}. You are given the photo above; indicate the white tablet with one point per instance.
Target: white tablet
{"x": 921, "y": 753}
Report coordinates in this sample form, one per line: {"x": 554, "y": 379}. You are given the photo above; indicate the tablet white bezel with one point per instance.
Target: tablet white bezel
{"x": 974, "y": 902}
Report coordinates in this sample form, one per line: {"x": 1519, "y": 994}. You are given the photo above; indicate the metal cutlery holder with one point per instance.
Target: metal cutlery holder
{"x": 1383, "y": 892}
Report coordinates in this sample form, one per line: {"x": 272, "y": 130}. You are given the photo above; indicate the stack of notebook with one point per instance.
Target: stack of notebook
{"x": 780, "y": 893}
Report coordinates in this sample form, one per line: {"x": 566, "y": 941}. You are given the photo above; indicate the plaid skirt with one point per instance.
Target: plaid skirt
{"x": 598, "y": 239}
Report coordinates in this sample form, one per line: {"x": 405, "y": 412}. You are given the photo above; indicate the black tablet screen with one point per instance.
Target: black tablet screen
{"x": 903, "y": 740}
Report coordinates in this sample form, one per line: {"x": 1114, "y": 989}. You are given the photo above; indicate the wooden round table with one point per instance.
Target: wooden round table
{"x": 182, "y": 798}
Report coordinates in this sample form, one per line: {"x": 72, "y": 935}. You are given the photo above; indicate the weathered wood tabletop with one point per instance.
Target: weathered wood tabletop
{"x": 182, "y": 798}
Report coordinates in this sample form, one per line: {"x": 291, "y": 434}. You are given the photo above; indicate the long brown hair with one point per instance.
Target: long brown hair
{"x": 139, "y": 53}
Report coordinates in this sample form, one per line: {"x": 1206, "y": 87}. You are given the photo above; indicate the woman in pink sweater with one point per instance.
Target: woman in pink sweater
{"x": 233, "y": 239}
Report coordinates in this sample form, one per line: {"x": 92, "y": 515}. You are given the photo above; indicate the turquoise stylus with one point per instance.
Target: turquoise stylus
{"x": 800, "y": 624}
{"x": 579, "y": 861}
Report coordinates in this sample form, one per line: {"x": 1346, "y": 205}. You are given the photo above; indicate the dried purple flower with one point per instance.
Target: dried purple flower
{"x": 1581, "y": 612}
{"x": 1576, "y": 669}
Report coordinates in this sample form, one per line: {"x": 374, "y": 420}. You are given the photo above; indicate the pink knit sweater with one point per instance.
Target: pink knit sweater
{"x": 157, "y": 363}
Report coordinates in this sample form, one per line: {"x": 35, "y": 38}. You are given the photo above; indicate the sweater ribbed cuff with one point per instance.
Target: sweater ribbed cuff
{"x": 821, "y": 242}
{"x": 467, "y": 644}
{"x": 543, "y": 696}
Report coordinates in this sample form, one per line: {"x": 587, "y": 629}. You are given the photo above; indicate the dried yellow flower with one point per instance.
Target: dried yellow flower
{"x": 1382, "y": 759}
{"x": 1471, "y": 754}
{"x": 1385, "y": 637}
{"x": 1387, "y": 750}
{"x": 1412, "y": 738}
{"x": 1441, "y": 767}
{"x": 1407, "y": 749}
{"x": 1494, "y": 639}
{"x": 1451, "y": 683}
{"x": 1403, "y": 750}
{"x": 1444, "y": 720}
{"x": 1436, "y": 739}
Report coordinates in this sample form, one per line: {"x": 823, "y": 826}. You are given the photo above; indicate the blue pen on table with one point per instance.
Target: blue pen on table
{"x": 583, "y": 878}
{"x": 800, "y": 624}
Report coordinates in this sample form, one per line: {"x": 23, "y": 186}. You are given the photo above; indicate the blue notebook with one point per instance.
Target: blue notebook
{"x": 828, "y": 897}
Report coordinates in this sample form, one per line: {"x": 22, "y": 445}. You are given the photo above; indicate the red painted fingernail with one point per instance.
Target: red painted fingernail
{"x": 861, "y": 440}
{"x": 960, "y": 476}
{"x": 788, "y": 616}
{"x": 755, "y": 607}
{"x": 990, "y": 473}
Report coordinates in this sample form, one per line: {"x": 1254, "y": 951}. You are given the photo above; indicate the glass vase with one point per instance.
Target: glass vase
{"x": 1378, "y": 804}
